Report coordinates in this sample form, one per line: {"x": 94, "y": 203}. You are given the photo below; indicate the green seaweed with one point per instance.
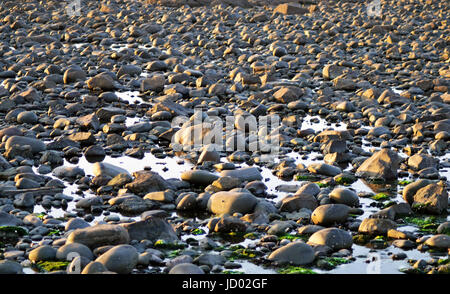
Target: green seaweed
{"x": 54, "y": 232}
{"x": 292, "y": 237}
{"x": 295, "y": 270}
{"x": 230, "y": 272}
{"x": 50, "y": 266}
{"x": 322, "y": 185}
{"x": 381, "y": 197}
{"x": 427, "y": 224}
{"x": 332, "y": 262}
{"x": 344, "y": 181}
{"x": 404, "y": 182}
{"x": 161, "y": 244}
{"x": 174, "y": 253}
{"x": 251, "y": 236}
{"x": 198, "y": 232}
{"x": 361, "y": 239}
{"x": 243, "y": 253}
{"x": 443, "y": 261}
{"x": 306, "y": 178}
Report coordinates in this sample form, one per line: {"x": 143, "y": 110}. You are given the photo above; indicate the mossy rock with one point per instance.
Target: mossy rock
{"x": 293, "y": 237}
{"x": 427, "y": 224}
{"x": 310, "y": 178}
{"x": 198, "y": 231}
{"x": 345, "y": 181}
{"x": 251, "y": 236}
{"x": 51, "y": 266}
{"x": 361, "y": 239}
{"x": 295, "y": 270}
{"x": 11, "y": 234}
{"x": 404, "y": 182}
{"x": 243, "y": 253}
{"x": 161, "y": 244}
{"x": 329, "y": 263}
{"x": 230, "y": 272}
{"x": 381, "y": 197}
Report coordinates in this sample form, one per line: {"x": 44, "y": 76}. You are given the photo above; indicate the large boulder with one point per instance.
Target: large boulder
{"x": 146, "y": 182}
{"x": 102, "y": 81}
{"x": 244, "y": 174}
{"x": 411, "y": 189}
{"x": 152, "y": 228}
{"x": 296, "y": 202}
{"x": 344, "y": 196}
{"x": 186, "y": 269}
{"x": 295, "y": 253}
{"x": 381, "y": 165}
{"x": 121, "y": 259}
{"x": 330, "y": 214}
{"x": 334, "y": 238}
{"x": 376, "y": 226}
{"x": 439, "y": 241}
{"x": 199, "y": 177}
{"x": 432, "y": 199}
{"x": 36, "y": 145}
{"x": 421, "y": 161}
{"x": 290, "y": 8}
{"x": 230, "y": 202}
{"x": 99, "y": 235}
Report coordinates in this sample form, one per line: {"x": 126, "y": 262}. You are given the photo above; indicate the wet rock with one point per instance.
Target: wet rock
{"x": 71, "y": 172}
{"x": 444, "y": 228}
{"x": 99, "y": 235}
{"x": 229, "y": 224}
{"x": 7, "y": 219}
{"x": 309, "y": 229}
{"x": 27, "y": 117}
{"x": 344, "y": 196}
{"x": 121, "y": 259}
{"x": 147, "y": 181}
{"x": 376, "y": 226}
{"x": 107, "y": 169}
{"x": 381, "y": 165}
{"x": 420, "y": 161}
{"x": 288, "y": 94}
{"x": 66, "y": 251}
{"x": 329, "y": 214}
{"x": 295, "y": 253}
{"x": 230, "y": 202}
{"x": 411, "y": 189}
{"x": 35, "y": 144}
{"x": 152, "y": 228}
{"x": 296, "y": 202}
{"x": 186, "y": 269}
{"x": 76, "y": 223}
{"x": 24, "y": 200}
{"x": 102, "y": 81}
{"x": 334, "y": 238}
{"x": 290, "y": 9}
{"x": 432, "y": 198}
{"x": 84, "y": 138}
{"x": 324, "y": 169}
{"x": 8, "y": 267}
{"x": 244, "y": 174}
{"x": 42, "y": 253}
{"x": 439, "y": 241}
{"x": 73, "y": 74}
{"x": 155, "y": 83}
{"x": 210, "y": 259}
{"x": 199, "y": 177}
